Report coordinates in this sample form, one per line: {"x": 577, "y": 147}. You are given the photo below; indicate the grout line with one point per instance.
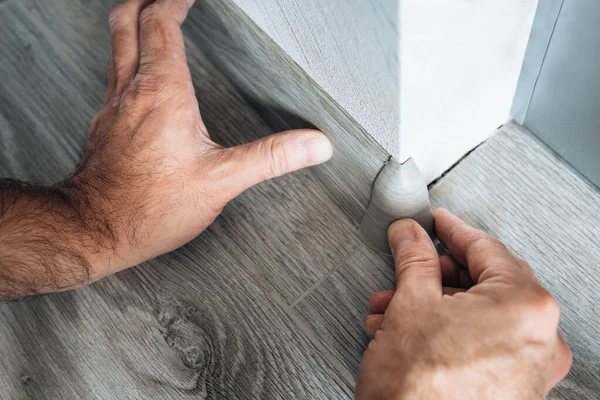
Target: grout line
{"x": 318, "y": 283}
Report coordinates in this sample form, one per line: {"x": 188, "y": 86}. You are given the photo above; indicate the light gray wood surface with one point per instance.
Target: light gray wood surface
{"x": 210, "y": 321}
{"x": 269, "y": 302}
{"x": 516, "y": 188}
{"x": 350, "y": 48}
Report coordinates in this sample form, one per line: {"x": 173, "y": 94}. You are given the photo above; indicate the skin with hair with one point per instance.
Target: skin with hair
{"x": 476, "y": 324}
{"x": 150, "y": 178}
{"x": 473, "y": 325}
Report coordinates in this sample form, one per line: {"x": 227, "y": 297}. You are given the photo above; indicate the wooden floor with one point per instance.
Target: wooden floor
{"x": 269, "y": 302}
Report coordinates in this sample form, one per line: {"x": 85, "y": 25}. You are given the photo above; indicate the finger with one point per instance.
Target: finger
{"x": 452, "y": 290}
{"x": 124, "y": 30}
{"x": 471, "y": 247}
{"x": 161, "y": 40}
{"x": 246, "y": 165}
{"x": 380, "y": 300}
{"x": 417, "y": 263}
{"x": 373, "y": 323}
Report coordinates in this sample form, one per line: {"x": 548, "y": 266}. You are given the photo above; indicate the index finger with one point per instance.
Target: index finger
{"x": 161, "y": 41}
{"x": 477, "y": 250}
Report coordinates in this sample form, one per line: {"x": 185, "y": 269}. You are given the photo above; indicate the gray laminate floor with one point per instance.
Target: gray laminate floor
{"x": 269, "y": 302}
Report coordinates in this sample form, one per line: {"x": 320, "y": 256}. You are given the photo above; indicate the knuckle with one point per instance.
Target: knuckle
{"x": 417, "y": 261}
{"x": 151, "y": 14}
{"x": 144, "y": 86}
{"x": 524, "y": 265}
{"x": 374, "y": 297}
{"x": 454, "y": 234}
{"x": 543, "y": 305}
{"x": 116, "y": 15}
{"x": 484, "y": 244}
{"x": 121, "y": 71}
{"x": 413, "y": 257}
{"x": 537, "y": 316}
{"x": 567, "y": 357}
{"x": 276, "y": 158}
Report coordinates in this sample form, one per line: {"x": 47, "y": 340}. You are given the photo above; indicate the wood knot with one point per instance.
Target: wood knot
{"x": 187, "y": 329}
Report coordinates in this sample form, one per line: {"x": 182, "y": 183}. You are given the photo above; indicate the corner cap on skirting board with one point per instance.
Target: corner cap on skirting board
{"x": 399, "y": 191}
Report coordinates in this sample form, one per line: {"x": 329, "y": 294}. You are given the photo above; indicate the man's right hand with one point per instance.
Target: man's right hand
{"x": 474, "y": 325}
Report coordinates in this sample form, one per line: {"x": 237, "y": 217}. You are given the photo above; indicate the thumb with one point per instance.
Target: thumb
{"x": 418, "y": 271}
{"x": 272, "y": 156}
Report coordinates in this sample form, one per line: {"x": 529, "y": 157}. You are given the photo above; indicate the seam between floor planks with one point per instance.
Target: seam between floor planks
{"x": 318, "y": 283}
{"x": 278, "y": 299}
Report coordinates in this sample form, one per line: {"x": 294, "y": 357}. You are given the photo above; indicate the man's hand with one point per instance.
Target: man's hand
{"x": 150, "y": 178}
{"x": 477, "y": 325}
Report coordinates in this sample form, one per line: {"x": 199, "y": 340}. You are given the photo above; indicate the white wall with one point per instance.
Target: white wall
{"x": 460, "y": 62}
{"x": 435, "y": 95}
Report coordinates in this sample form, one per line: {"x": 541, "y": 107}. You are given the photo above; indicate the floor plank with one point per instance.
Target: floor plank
{"x": 275, "y": 215}
{"x": 515, "y": 188}
{"x": 337, "y": 308}
{"x": 37, "y": 94}
{"x": 202, "y": 322}
{"x": 79, "y": 30}
{"x": 177, "y": 327}
{"x": 289, "y": 227}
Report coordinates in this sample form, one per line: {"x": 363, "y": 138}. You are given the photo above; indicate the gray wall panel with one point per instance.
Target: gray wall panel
{"x": 564, "y": 110}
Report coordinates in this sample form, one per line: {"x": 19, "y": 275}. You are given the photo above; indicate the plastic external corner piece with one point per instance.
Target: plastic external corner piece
{"x": 400, "y": 191}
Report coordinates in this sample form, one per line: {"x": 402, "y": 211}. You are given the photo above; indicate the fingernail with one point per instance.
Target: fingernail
{"x": 317, "y": 149}
{"x": 402, "y": 233}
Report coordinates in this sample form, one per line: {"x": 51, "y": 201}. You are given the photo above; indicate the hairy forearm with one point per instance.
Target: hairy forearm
{"x": 50, "y": 239}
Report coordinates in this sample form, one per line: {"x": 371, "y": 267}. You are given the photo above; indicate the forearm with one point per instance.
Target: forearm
{"x": 50, "y": 239}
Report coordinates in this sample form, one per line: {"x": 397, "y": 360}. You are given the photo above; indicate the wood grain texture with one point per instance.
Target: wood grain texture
{"x": 42, "y": 133}
{"x": 337, "y": 308}
{"x": 191, "y": 324}
{"x": 78, "y": 29}
{"x": 212, "y": 320}
{"x": 517, "y": 189}
{"x": 263, "y": 72}
{"x": 289, "y": 227}
{"x": 276, "y": 214}
{"x": 208, "y": 321}
{"x": 349, "y": 48}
